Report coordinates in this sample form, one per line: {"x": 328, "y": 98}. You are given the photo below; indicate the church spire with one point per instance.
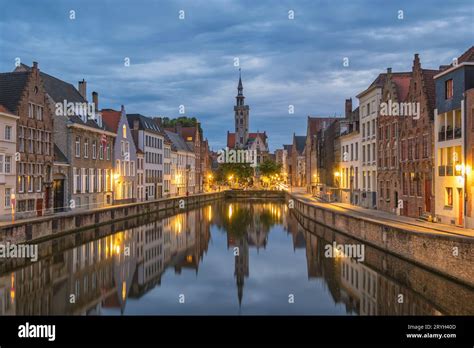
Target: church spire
{"x": 240, "y": 88}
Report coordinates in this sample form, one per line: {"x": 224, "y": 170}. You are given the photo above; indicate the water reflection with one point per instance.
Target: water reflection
{"x": 229, "y": 257}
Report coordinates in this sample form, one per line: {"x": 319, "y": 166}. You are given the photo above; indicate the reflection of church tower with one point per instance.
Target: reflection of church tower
{"x": 241, "y": 117}
{"x": 242, "y": 267}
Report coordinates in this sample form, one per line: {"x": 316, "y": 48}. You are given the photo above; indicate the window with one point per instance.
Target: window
{"x": 124, "y": 131}
{"x": 8, "y": 164}
{"x": 78, "y": 147}
{"x": 8, "y": 132}
{"x": 1, "y": 164}
{"x": 108, "y": 152}
{"x": 449, "y": 196}
{"x": 101, "y": 151}
{"x": 8, "y": 192}
{"x": 30, "y": 140}
{"x": 86, "y": 148}
{"x": 189, "y": 139}
{"x": 39, "y": 112}
{"x": 30, "y": 110}
{"x": 448, "y": 85}
{"x": 94, "y": 149}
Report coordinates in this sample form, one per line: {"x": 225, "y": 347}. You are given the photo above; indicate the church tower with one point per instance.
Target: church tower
{"x": 241, "y": 117}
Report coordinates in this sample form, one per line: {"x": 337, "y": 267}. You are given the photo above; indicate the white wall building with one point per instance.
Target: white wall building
{"x": 150, "y": 139}
{"x": 182, "y": 166}
{"x": 349, "y": 181}
{"x": 369, "y": 102}
{"x": 7, "y": 161}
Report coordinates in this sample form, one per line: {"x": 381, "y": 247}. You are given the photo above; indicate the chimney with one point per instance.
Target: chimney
{"x": 82, "y": 87}
{"x": 389, "y": 71}
{"x": 136, "y": 124}
{"x": 157, "y": 120}
{"x": 35, "y": 68}
{"x": 95, "y": 100}
{"x": 348, "y": 108}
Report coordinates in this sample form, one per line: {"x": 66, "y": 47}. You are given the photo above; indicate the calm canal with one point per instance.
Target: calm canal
{"x": 176, "y": 263}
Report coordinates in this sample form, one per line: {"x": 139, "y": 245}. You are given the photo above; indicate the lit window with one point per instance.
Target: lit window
{"x": 449, "y": 89}
{"x": 124, "y": 132}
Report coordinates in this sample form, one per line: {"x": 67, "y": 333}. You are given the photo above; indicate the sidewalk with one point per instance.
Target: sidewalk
{"x": 401, "y": 221}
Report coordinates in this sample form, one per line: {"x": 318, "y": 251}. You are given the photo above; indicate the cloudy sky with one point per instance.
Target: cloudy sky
{"x": 190, "y": 61}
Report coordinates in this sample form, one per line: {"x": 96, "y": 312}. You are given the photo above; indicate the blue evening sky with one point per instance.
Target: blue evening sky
{"x": 190, "y": 62}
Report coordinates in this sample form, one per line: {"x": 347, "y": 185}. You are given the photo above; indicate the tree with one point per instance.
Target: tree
{"x": 167, "y": 122}
{"x": 241, "y": 172}
{"x": 269, "y": 167}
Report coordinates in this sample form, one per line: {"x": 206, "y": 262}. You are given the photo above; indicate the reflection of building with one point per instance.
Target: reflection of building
{"x": 361, "y": 283}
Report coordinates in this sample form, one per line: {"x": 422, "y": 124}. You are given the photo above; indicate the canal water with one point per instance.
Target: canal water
{"x": 224, "y": 258}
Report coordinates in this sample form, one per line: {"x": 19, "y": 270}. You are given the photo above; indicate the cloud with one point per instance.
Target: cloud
{"x": 191, "y": 61}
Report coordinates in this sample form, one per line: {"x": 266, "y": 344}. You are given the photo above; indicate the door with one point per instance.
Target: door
{"x": 39, "y": 207}
{"x": 461, "y": 206}
{"x": 58, "y": 194}
{"x": 428, "y": 195}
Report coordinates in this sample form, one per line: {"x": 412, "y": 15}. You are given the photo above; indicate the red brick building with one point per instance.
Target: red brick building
{"x": 417, "y": 145}
{"x": 394, "y": 92}
{"x": 24, "y": 95}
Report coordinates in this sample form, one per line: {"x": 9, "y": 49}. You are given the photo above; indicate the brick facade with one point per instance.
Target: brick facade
{"x": 417, "y": 144}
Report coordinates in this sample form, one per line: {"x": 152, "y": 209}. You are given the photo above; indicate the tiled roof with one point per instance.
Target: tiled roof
{"x": 402, "y": 84}
{"x": 145, "y": 123}
{"x": 12, "y": 86}
{"x": 467, "y": 56}
{"x": 177, "y": 141}
{"x": 111, "y": 118}
{"x": 5, "y": 110}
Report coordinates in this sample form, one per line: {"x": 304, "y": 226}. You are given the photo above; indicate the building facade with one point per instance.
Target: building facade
{"x": 394, "y": 92}
{"x": 83, "y": 142}
{"x": 369, "y": 102}
{"x": 150, "y": 139}
{"x": 416, "y": 144}
{"x": 125, "y": 156}
{"x": 8, "y": 129}
{"x": 23, "y": 94}
{"x": 183, "y": 163}
{"x": 453, "y": 142}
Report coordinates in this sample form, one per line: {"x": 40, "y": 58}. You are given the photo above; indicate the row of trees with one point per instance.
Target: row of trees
{"x": 243, "y": 174}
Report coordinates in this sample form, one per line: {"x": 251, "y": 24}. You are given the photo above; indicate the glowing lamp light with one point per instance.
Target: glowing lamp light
{"x": 337, "y": 174}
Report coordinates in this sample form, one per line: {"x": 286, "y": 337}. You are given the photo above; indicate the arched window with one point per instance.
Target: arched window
{"x": 124, "y": 132}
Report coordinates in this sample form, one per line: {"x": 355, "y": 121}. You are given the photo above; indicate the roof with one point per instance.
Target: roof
{"x": 287, "y": 147}
{"x": 377, "y": 83}
{"x": 4, "y": 110}
{"x": 251, "y": 139}
{"x": 111, "y": 118}
{"x": 300, "y": 142}
{"x": 467, "y": 56}
{"x": 145, "y": 123}
{"x": 402, "y": 84}
{"x": 12, "y": 86}
{"x": 177, "y": 141}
